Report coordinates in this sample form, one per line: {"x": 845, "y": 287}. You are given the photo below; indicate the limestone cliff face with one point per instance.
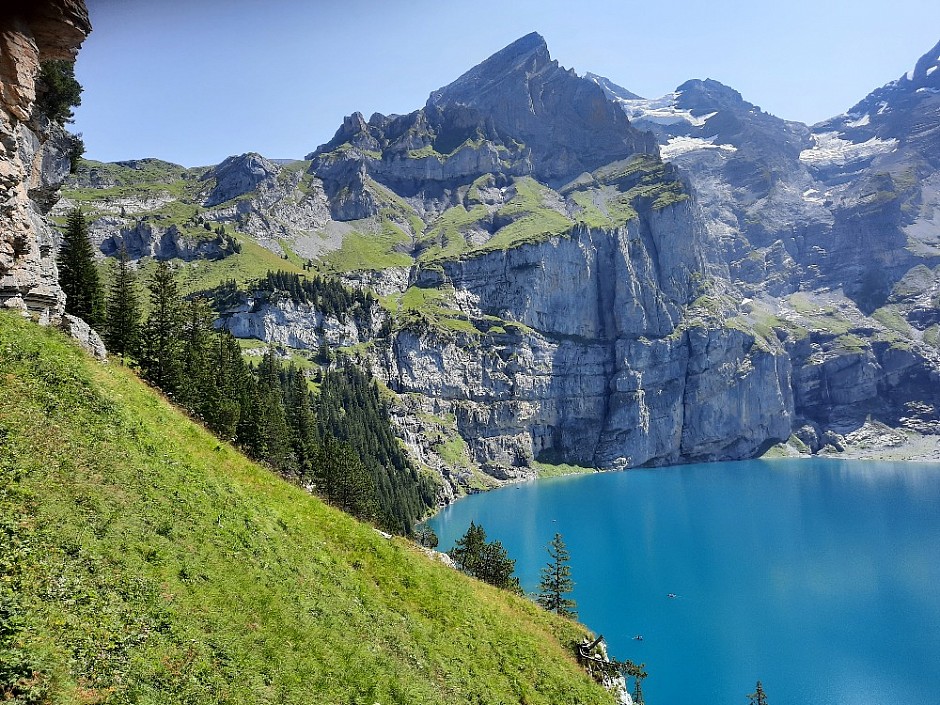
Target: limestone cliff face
{"x": 603, "y": 368}
{"x": 33, "y": 152}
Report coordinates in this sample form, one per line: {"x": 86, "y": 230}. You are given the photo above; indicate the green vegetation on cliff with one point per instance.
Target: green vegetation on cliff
{"x": 143, "y": 561}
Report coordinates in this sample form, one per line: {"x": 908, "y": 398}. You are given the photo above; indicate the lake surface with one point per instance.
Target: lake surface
{"x": 820, "y": 578}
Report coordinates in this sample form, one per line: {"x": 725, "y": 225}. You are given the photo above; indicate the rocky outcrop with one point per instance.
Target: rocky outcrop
{"x": 298, "y": 325}
{"x": 239, "y": 175}
{"x": 145, "y": 239}
{"x": 33, "y": 152}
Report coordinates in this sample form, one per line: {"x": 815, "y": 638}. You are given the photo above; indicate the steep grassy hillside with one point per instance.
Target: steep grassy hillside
{"x": 142, "y": 561}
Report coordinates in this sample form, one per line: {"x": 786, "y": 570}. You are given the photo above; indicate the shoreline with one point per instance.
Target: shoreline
{"x": 871, "y": 442}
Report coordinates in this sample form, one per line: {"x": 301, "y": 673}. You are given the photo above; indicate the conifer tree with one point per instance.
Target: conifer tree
{"x": 485, "y": 561}
{"x": 638, "y": 692}
{"x": 758, "y": 697}
{"x": 78, "y": 276}
{"x": 467, "y": 550}
{"x": 123, "y": 319}
{"x": 301, "y": 420}
{"x": 343, "y": 481}
{"x": 556, "y": 580}
{"x": 196, "y": 330}
{"x": 222, "y": 410}
{"x": 497, "y": 568}
{"x": 425, "y": 536}
{"x": 271, "y": 416}
{"x": 249, "y": 429}
{"x": 160, "y": 339}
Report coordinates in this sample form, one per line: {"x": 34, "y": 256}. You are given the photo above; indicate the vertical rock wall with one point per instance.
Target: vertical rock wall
{"x": 34, "y": 157}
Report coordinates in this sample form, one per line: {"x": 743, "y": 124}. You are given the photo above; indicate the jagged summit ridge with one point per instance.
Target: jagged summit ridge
{"x": 904, "y": 113}
{"x": 528, "y": 53}
{"x": 543, "y": 119}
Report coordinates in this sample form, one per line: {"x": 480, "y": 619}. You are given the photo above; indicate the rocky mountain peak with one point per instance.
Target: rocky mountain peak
{"x": 902, "y": 114}
{"x": 527, "y": 55}
{"x": 709, "y": 94}
{"x": 238, "y": 175}
{"x": 520, "y": 94}
{"x": 926, "y": 71}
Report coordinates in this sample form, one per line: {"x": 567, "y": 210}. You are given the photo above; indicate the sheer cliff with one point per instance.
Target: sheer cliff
{"x": 34, "y": 152}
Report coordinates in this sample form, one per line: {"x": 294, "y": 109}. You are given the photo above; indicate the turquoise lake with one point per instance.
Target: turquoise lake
{"x": 820, "y": 578}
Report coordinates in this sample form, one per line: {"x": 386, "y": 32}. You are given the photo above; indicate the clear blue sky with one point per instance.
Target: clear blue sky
{"x": 193, "y": 81}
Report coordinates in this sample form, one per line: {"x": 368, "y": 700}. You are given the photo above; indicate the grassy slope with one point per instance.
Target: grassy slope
{"x": 152, "y": 564}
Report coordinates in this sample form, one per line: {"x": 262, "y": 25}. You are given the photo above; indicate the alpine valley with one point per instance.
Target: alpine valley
{"x": 567, "y": 273}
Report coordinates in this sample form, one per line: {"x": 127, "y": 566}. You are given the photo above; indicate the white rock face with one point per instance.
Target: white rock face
{"x": 297, "y": 325}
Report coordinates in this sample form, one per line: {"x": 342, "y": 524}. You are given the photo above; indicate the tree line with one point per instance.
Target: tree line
{"x": 338, "y": 443}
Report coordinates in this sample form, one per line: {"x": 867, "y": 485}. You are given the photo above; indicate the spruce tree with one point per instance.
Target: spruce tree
{"x": 497, "y": 568}
{"x": 57, "y": 91}
{"x": 301, "y": 420}
{"x": 123, "y": 320}
{"x": 468, "y": 549}
{"x": 638, "y": 692}
{"x": 488, "y": 562}
{"x": 222, "y": 410}
{"x": 425, "y": 536}
{"x": 273, "y": 420}
{"x": 556, "y": 580}
{"x": 160, "y": 339}
{"x": 758, "y": 697}
{"x": 196, "y": 332}
{"x": 78, "y": 276}
{"x": 343, "y": 481}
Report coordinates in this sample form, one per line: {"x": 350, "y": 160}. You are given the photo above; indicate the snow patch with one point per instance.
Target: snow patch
{"x": 812, "y": 195}
{"x": 882, "y": 107}
{"x": 662, "y": 111}
{"x": 683, "y": 145}
{"x": 831, "y": 150}
{"x": 860, "y": 122}
{"x": 932, "y": 68}
{"x": 927, "y": 90}
{"x": 909, "y": 75}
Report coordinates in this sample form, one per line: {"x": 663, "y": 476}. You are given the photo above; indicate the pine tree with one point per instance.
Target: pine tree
{"x": 301, "y": 421}
{"x": 57, "y": 91}
{"x": 758, "y": 697}
{"x": 556, "y": 581}
{"x": 78, "y": 276}
{"x": 497, "y": 568}
{"x": 196, "y": 331}
{"x": 467, "y": 550}
{"x": 222, "y": 410}
{"x": 343, "y": 481}
{"x": 638, "y": 691}
{"x": 488, "y": 562}
{"x": 123, "y": 320}
{"x": 272, "y": 419}
{"x": 160, "y": 339}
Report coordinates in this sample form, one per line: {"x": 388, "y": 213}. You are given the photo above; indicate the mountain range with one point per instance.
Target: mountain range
{"x": 570, "y": 273}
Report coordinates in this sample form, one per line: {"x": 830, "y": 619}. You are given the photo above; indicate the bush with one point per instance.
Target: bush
{"x": 57, "y": 91}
